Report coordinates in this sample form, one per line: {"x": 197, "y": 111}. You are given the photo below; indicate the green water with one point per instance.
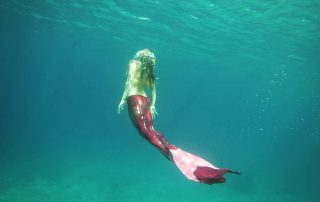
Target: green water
{"x": 239, "y": 84}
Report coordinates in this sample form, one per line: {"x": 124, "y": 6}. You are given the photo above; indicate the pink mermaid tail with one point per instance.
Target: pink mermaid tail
{"x": 192, "y": 166}
{"x": 196, "y": 168}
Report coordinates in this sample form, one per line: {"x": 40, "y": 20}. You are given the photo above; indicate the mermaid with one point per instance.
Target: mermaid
{"x": 142, "y": 112}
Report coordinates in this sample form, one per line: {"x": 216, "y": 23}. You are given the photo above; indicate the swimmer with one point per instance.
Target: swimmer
{"x": 141, "y": 75}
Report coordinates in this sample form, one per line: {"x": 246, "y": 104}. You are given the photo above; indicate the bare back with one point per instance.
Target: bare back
{"x": 140, "y": 77}
{"x": 136, "y": 83}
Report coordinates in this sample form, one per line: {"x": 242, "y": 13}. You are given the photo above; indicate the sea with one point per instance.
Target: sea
{"x": 238, "y": 83}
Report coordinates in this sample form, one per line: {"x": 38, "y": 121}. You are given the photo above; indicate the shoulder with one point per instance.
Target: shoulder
{"x": 133, "y": 69}
{"x": 134, "y": 64}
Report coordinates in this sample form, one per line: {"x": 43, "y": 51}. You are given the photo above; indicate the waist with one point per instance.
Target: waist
{"x": 138, "y": 99}
{"x": 137, "y": 92}
{"x": 136, "y": 96}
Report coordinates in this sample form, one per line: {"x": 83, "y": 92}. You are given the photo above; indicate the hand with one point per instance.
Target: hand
{"x": 153, "y": 111}
{"x": 121, "y": 105}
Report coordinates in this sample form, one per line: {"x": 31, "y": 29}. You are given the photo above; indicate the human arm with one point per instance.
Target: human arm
{"x": 153, "y": 100}
{"x": 129, "y": 82}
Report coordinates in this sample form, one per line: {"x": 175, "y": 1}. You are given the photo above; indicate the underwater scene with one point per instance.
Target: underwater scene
{"x": 237, "y": 83}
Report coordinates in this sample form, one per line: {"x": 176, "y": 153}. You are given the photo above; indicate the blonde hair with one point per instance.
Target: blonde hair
{"x": 147, "y": 59}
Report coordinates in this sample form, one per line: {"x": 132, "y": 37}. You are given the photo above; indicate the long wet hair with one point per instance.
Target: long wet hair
{"x": 147, "y": 70}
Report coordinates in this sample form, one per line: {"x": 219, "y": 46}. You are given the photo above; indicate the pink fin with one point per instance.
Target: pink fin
{"x": 196, "y": 168}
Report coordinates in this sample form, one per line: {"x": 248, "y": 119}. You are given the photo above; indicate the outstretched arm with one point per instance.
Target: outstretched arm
{"x": 131, "y": 76}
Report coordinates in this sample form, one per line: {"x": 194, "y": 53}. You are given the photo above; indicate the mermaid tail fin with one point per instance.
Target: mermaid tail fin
{"x": 196, "y": 168}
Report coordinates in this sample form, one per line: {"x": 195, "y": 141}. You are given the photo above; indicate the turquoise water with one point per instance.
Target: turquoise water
{"x": 239, "y": 84}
